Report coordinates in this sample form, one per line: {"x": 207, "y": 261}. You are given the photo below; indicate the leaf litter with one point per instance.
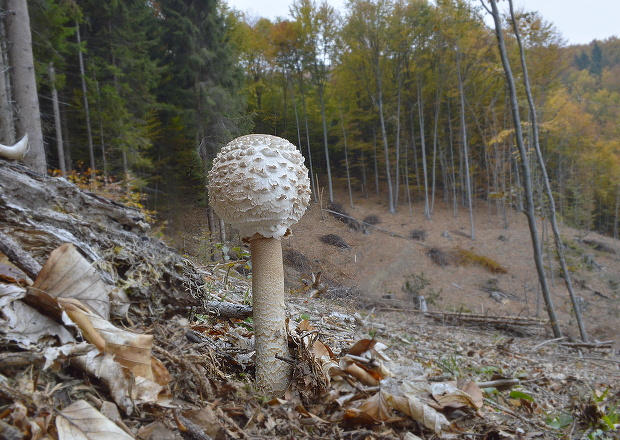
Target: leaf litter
{"x": 356, "y": 374}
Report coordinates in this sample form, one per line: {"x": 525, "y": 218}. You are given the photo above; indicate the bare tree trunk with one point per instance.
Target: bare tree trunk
{"x": 427, "y": 212}
{"x": 435, "y": 130}
{"x": 465, "y": 147}
{"x": 530, "y": 211}
{"x": 57, "y": 124}
{"x": 89, "y": 131}
{"x": 346, "y": 158}
{"x": 374, "y": 143}
{"x": 102, "y": 139}
{"x": 415, "y": 153}
{"x": 330, "y": 188}
{"x": 25, "y": 83}
{"x": 386, "y": 154}
{"x": 397, "y": 146}
{"x": 545, "y": 178}
{"x": 7, "y": 126}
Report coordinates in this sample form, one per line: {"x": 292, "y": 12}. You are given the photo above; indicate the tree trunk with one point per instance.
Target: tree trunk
{"x": 89, "y": 131}
{"x": 465, "y": 147}
{"x": 326, "y": 146}
{"x": 530, "y": 209}
{"x": 7, "y": 126}
{"x": 545, "y": 178}
{"x": 427, "y": 212}
{"x": 346, "y": 158}
{"x": 57, "y": 123}
{"x": 102, "y": 138}
{"x": 25, "y": 83}
{"x": 386, "y": 155}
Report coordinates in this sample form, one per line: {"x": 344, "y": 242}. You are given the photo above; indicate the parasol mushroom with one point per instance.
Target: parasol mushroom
{"x": 17, "y": 151}
{"x": 260, "y": 185}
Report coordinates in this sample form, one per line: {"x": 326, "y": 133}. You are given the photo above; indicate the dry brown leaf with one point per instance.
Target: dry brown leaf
{"x": 449, "y": 396}
{"x": 360, "y": 373}
{"x": 374, "y": 410}
{"x": 420, "y": 412}
{"x": 109, "y": 372}
{"x": 29, "y": 328}
{"x": 473, "y": 390}
{"x": 80, "y": 421}
{"x": 362, "y": 346}
{"x": 66, "y": 273}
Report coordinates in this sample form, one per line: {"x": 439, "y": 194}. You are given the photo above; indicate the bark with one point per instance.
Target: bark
{"x": 39, "y": 213}
{"x": 326, "y": 147}
{"x": 6, "y": 108}
{"x": 427, "y": 212}
{"x": 57, "y": 123}
{"x": 272, "y": 374}
{"x": 24, "y": 82}
{"x": 559, "y": 246}
{"x": 465, "y": 148}
{"x": 529, "y": 202}
{"x": 386, "y": 154}
{"x": 89, "y": 131}
{"x": 346, "y": 159}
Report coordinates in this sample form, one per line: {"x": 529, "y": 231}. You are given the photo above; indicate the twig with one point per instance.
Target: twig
{"x": 393, "y": 234}
{"x": 550, "y": 341}
{"x": 500, "y": 383}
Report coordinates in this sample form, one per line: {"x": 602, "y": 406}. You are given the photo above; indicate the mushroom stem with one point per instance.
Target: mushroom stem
{"x": 272, "y": 374}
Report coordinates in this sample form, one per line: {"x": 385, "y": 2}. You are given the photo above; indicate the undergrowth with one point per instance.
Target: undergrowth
{"x": 469, "y": 257}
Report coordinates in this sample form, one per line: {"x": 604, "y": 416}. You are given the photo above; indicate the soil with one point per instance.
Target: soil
{"x": 377, "y": 263}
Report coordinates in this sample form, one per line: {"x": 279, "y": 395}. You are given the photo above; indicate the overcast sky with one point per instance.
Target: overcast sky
{"x": 579, "y": 21}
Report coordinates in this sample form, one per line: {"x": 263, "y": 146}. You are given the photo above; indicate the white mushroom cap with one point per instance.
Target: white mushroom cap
{"x": 259, "y": 184}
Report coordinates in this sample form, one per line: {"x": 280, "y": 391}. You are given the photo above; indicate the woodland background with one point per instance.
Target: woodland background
{"x": 402, "y": 98}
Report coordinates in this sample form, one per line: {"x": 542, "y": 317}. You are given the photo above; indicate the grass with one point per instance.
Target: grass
{"x": 469, "y": 257}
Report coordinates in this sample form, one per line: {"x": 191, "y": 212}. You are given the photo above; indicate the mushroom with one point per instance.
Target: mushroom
{"x": 260, "y": 185}
{"x": 17, "y": 151}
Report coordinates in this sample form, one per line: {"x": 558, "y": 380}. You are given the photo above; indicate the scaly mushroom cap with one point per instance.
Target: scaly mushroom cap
{"x": 259, "y": 184}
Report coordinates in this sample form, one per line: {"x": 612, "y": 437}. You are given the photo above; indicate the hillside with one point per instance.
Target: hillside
{"x": 376, "y": 263}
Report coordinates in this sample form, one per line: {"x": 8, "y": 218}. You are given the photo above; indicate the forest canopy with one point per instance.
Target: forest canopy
{"x": 406, "y": 99}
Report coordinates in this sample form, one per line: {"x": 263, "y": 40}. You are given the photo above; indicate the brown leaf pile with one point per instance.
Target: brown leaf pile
{"x": 78, "y": 363}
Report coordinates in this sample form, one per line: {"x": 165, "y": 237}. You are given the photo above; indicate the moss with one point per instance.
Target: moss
{"x": 469, "y": 257}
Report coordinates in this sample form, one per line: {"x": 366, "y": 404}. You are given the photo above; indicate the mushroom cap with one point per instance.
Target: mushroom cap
{"x": 259, "y": 184}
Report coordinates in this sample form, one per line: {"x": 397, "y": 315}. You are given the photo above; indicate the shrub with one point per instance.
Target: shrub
{"x": 439, "y": 257}
{"x": 296, "y": 260}
{"x": 418, "y": 234}
{"x": 335, "y": 240}
{"x": 372, "y": 219}
{"x": 338, "y": 209}
{"x": 469, "y": 257}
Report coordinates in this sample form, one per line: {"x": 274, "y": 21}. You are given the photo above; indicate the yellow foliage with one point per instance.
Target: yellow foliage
{"x": 469, "y": 257}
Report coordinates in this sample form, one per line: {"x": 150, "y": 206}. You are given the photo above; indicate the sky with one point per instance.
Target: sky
{"x": 578, "y": 21}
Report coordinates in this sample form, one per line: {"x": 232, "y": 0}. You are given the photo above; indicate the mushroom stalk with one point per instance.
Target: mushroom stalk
{"x": 260, "y": 185}
{"x": 272, "y": 374}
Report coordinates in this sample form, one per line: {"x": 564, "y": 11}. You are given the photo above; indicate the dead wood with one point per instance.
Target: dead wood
{"x": 18, "y": 256}
{"x": 21, "y": 359}
{"x": 223, "y": 309}
{"x": 597, "y": 344}
{"x": 39, "y": 213}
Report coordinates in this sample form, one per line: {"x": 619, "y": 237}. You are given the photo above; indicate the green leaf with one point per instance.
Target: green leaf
{"x": 521, "y": 395}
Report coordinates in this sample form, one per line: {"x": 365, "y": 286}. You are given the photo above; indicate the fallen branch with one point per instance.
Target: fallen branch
{"x": 499, "y": 384}
{"x": 597, "y": 344}
{"x": 223, "y": 309}
{"x": 18, "y": 256}
{"x": 393, "y": 234}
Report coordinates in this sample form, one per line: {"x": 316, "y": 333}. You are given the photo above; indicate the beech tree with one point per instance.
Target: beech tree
{"x": 24, "y": 84}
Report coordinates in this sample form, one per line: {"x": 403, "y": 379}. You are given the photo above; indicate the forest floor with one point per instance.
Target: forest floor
{"x": 367, "y": 364}
{"x": 469, "y": 332}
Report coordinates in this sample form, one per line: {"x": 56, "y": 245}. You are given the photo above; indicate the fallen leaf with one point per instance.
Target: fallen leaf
{"x": 26, "y": 326}
{"x": 362, "y": 346}
{"x": 80, "y": 421}
{"x": 67, "y": 274}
